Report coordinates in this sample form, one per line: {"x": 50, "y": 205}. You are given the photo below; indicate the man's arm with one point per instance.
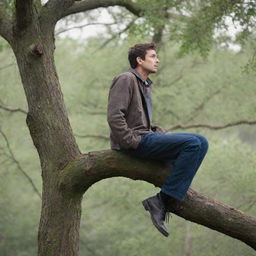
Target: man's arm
{"x": 118, "y": 103}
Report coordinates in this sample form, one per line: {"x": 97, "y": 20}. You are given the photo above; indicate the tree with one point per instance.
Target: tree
{"x": 67, "y": 173}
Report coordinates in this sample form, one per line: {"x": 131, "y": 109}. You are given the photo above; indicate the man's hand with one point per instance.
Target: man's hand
{"x": 158, "y": 129}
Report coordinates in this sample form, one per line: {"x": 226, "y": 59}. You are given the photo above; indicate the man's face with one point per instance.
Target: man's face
{"x": 150, "y": 63}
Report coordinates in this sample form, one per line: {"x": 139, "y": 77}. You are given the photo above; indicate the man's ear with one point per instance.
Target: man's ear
{"x": 139, "y": 60}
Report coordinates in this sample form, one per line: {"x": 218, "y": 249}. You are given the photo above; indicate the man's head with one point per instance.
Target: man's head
{"x": 143, "y": 56}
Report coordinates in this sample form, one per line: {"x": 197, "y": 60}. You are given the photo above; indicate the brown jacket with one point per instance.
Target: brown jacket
{"x": 128, "y": 116}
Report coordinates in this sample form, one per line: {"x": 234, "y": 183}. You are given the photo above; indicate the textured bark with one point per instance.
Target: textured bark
{"x": 52, "y": 136}
{"x": 79, "y": 175}
{"x": 58, "y": 233}
{"x": 66, "y": 173}
{"x": 57, "y": 7}
{"x": 24, "y": 13}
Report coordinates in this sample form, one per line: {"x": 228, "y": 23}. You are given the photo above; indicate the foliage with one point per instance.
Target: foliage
{"x": 186, "y": 90}
{"x": 6, "y": 8}
{"x": 209, "y": 15}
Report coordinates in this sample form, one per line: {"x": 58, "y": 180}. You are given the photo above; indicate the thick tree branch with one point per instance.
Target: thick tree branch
{"x": 79, "y": 175}
{"x": 57, "y": 7}
{"x": 212, "y": 127}
{"x": 83, "y": 6}
{"x": 18, "y": 165}
{"x": 24, "y": 13}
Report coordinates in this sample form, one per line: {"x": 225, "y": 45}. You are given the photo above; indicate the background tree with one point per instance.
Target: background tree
{"x": 66, "y": 173}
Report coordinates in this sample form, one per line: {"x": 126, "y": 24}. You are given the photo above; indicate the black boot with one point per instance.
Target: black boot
{"x": 157, "y": 210}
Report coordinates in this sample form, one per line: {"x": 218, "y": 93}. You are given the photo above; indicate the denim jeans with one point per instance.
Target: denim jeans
{"x": 183, "y": 151}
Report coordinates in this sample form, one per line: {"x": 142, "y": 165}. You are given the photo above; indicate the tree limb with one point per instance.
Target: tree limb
{"x": 11, "y": 109}
{"x": 202, "y": 104}
{"x": 18, "y": 165}
{"x": 57, "y": 7}
{"x": 83, "y": 6}
{"x": 115, "y": 35}
{"x": 213, "y": 127}
{"x": 24, "y": 13}
{"x": 84, "y": 25}
{"x": 180, "y": 126}
{"x": 80, "y": 174}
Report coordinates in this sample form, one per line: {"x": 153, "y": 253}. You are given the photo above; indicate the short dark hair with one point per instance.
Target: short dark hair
{"x": 139, "y": 50}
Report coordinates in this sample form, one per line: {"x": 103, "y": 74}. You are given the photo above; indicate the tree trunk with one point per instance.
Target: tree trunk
{"x": 52, "y": 136}
{"x": 60, "y": 220}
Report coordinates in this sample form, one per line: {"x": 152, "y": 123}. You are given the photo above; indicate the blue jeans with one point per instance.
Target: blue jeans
{"x": 183, "y": 151}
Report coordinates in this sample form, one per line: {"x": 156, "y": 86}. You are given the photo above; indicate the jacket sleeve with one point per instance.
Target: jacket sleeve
{"x": 118, "y": 104}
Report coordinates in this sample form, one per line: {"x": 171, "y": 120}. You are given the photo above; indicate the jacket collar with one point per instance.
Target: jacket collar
{"x": 146, "y": 82}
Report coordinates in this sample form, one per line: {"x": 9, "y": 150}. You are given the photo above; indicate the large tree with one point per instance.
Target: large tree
{"x": 66, "y": 172}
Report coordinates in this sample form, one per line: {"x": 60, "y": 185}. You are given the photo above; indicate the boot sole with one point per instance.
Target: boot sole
{"x": 147, "y": 208}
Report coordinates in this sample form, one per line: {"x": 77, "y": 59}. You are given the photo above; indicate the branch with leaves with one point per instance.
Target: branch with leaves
{"x": 116, "y": 35}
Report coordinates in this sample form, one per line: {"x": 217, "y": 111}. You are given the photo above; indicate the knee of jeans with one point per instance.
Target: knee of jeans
{"x": 194, "y": 143}
{"x": 204, "y": 143}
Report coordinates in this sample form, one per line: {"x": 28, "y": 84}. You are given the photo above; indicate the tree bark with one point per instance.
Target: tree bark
{"x": 82, "y": 6}
{"x": 58, "y": 233}
{"x": 52, "y": 136}
{"x": 24, "y": 14}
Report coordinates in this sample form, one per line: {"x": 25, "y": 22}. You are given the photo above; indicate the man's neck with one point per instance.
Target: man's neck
{"x": 142, "y": 72}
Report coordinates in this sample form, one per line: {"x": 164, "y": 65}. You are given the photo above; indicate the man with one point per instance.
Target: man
{"x": 130, "y": 117}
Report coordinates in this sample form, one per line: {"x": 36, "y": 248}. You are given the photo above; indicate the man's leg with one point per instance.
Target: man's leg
{"x": 185, "y": 151}
{"x": 185, "y": 166}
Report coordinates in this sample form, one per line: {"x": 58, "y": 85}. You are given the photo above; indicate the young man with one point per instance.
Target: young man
{"x": 130, "y": 117}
